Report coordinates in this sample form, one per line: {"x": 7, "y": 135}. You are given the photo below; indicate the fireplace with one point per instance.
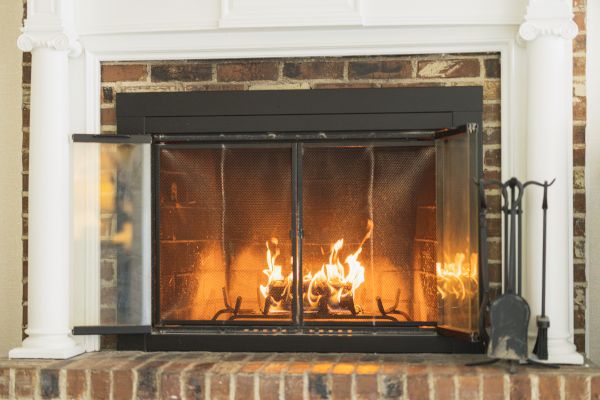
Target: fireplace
{"x": 327, "y": 220}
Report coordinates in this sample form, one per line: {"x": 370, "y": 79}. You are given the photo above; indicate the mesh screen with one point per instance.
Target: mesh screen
{"x": 343, "y": 189}
{"x": 225, "y": 221}
{"x": 219, "y": 208}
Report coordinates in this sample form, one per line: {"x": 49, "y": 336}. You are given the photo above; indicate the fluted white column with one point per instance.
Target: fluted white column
{"x": 49, "y": 197}
{"x": 548, "y": 31}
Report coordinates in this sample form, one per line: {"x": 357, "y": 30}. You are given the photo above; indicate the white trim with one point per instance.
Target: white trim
{"x": 320, "y": 42}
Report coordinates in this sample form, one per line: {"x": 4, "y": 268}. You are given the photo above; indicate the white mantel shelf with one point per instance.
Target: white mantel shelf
{"x": 69, "y": 39}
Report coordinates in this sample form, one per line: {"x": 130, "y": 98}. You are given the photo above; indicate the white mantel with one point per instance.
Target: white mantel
{"x": 69, "y": 39}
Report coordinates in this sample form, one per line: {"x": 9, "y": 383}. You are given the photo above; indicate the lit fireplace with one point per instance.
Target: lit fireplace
{"x": 288, "y": 233}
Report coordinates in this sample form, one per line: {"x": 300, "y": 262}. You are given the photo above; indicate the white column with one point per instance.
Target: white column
{"x": 548, "y": 30}
{"x": 49, "y": 197}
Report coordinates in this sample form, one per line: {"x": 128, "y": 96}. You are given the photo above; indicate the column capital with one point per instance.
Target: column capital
{"x": 57, "y": 40}
{"x": 548, "y": 18}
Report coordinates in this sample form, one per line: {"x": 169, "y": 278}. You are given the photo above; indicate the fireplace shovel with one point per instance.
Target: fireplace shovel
{"x": 509, "y": 313}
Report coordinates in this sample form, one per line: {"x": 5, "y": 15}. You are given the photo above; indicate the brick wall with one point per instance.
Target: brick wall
{"x": 352, "y": 72}
{"x": 579, "y": 122}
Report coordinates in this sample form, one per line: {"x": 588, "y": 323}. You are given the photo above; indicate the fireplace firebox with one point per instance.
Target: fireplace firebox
{"x": 326, "y": 220}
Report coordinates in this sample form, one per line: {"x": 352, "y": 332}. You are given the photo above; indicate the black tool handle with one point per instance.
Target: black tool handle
{"x": 545, "y": 211}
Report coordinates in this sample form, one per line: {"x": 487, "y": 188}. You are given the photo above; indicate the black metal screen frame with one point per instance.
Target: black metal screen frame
{"x": 295, "y": 142}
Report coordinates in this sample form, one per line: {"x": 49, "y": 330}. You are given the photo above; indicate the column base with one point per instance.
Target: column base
{"x": 48, "y": 347}
{"x": 561, "y": 352}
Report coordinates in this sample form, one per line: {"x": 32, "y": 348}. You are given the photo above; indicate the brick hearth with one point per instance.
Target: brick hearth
{"x": 126, "y": 375}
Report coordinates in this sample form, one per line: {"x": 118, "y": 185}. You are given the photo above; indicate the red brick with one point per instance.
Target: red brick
{"x": 219, "y": 386}
{"x": 492, "y": 68}
{"x": 468, "y": 387}
{"x": 107, "y": 95}
{"x": 195, "y": 381}
{"x": 244, "y": 386}
{"x": 25, "y": 380}
{"x": 268, "y": 388}
{"x": 247, "y": 71}
{"x": 579, "y": 226}
{"x": 341, "y": 380}
{"x": 493, "y": 158}
{"x": 493, "y": 387}
{"x": 48, "y": 385}
{"x": 491, "y": 113}
{"x": 491, "y": 136}
{"x": 417, "y": 386}
{"x": 579, "y": 202}
{"x": 576, "y": 387}
{"x": 579, "y": 66}
{"x": 520, "y": 387}
{"x": 147, "y": 385}
{"x": 108, "y": 116}
{"x": 124, "y": 72}
{"x": 579, "y": 272}
{"x": 122, "y": 384}
{"x": 99, "y": 384}
{"x": 579, "y": 134}
{"x": 76, "y": 383}
{"x": 444, "y": 387}
{"x": 549, "y": 387}
{"x": 4, "y": 382}
{"x": 392, "y": 382}
{"x": 188, "y": 72}
{"x": 25, "y": 161}
{"x": 319, "y": 386}
{"x": 579, "y": 43}
{"x": 579, "y": 108}
{"x": 26, "y": 74}
{"x": 595, "y": 388}
{"x": 314, "y": 70}
{"x": 579, "y": 340}
{"x": 293, "y": 387}
{"x": 366, "y": 385}
{"x": 25, "y": 121}
{"x": 448, "y": 68}
{"x": 387, "y": 69}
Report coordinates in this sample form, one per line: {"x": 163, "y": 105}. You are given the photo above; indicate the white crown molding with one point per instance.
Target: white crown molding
{"x": 57, "y": 40}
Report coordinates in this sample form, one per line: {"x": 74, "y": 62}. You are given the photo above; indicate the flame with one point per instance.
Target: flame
{"x": 457, "y": 279}
{"x": 278, "y": 287}
{"x": 333, "y": 283}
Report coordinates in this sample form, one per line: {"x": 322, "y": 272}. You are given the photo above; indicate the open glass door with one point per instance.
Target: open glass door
{"x": 457, "y": 264}
{"x": 112, "y": 232}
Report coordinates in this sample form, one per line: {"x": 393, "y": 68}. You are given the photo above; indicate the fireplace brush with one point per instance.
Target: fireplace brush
{"x": 543, "y": 322}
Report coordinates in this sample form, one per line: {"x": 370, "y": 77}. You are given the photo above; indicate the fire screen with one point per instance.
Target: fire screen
{"x": 317, "y": 233}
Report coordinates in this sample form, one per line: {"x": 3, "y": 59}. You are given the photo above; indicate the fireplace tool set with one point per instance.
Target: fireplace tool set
{"x": 509, "y": 313}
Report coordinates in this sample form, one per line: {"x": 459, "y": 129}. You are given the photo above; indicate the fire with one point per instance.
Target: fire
{"x": 334, "y": 284}
{"x": 457, "y": 279}
{"x": 278, "y": 287}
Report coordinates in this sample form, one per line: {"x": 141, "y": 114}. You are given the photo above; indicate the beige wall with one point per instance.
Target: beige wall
{"x": 10, "y": 176}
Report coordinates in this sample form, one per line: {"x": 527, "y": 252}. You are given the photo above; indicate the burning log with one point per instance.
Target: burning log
{"x": 329, "y": 290}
